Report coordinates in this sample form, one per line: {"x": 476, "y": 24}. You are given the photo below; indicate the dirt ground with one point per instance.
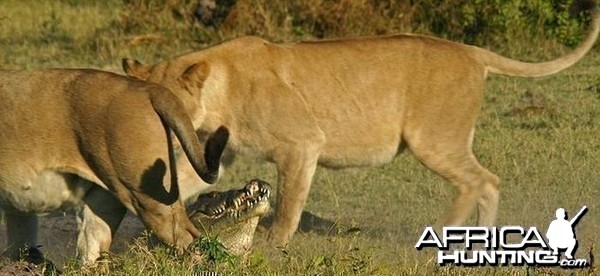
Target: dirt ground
{"x": 58, "y": 235}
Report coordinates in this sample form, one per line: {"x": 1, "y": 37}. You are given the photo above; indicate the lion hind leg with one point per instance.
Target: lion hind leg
{"x": 488, "y": 202}
{"x": 98, "y": 220}
{"x": 452, "y": 158}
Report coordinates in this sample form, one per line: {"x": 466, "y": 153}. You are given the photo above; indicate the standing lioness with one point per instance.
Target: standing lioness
{"x": 68, "y": 137}
{"x": 350, "y": 102}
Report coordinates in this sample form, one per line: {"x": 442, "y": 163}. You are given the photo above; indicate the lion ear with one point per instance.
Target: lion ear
{"x": 135, "y": 69}
{"x": 195, "y": 75}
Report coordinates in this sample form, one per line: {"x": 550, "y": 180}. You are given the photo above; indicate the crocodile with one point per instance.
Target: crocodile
{"x": 232, "y": 216}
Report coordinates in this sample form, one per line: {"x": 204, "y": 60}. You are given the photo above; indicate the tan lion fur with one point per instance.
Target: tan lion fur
{"x": 101, "y": 141}
{"x": 349, "y": 102}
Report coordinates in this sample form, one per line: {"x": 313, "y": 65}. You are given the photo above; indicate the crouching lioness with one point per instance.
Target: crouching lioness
{"x": 101, "y": 141}
{"x": 350, "y": 102}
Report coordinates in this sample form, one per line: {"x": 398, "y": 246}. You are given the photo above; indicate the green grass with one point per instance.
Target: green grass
{"x": 539, "y": 135}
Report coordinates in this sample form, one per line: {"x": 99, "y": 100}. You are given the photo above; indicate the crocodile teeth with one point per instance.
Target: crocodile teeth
{"x": 253, "y": 189}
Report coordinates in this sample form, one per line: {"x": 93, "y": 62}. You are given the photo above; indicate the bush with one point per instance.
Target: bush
{"x": 97, "y": 33}
{"x": 494, "y": 23}
{"x": 500, "y": 22}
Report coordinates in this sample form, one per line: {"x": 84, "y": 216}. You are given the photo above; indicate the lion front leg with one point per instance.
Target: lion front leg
{"x": 98, "y": 220}
{"x": 295, "y": 171}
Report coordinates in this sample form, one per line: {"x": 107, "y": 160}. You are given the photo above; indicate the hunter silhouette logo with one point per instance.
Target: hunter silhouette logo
{"x": 508, "y": 245}
{"x": 561, "y": 232}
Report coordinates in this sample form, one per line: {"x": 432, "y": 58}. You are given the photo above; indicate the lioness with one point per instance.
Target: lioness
{"x": 100, "y": 140}
{"x": 349, "y": 102}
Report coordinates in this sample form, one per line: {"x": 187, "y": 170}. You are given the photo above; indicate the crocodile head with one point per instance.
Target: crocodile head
{"x": 232, "y": 216}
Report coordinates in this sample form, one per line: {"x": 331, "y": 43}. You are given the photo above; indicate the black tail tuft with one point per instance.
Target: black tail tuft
{"x": 215, "y": 145}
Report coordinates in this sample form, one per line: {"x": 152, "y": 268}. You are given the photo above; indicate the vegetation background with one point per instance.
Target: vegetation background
{"x": 539, "y": 135}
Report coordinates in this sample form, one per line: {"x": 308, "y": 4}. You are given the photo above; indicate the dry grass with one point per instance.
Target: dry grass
{"x": 540, "y": 136}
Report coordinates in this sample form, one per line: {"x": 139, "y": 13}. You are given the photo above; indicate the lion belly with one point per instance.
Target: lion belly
{"x": 43, "y": 192}
{"x": 355, "y": 146}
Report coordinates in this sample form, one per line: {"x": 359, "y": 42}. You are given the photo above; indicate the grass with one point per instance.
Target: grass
{"x": 539, "y": 135}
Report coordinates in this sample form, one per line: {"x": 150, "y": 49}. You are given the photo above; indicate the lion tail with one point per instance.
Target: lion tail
{"x": 205, "y": 160}
{"x": 501, "y": 65}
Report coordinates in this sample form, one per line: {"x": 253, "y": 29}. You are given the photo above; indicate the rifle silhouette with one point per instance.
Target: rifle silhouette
{"x": 576, "y": 218}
